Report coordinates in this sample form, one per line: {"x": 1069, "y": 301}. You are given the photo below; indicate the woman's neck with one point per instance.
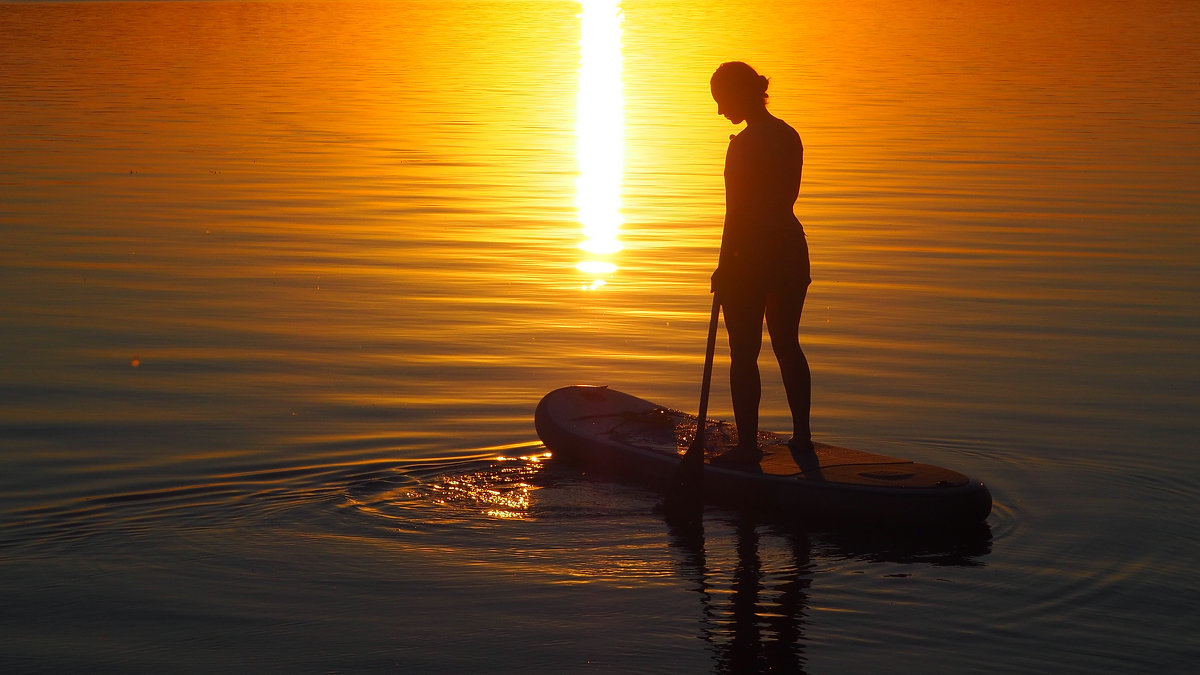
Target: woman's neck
{"x": 758, "y": 116}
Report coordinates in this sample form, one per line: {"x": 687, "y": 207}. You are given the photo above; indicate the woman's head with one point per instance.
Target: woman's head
{"x": 738, "y": 90}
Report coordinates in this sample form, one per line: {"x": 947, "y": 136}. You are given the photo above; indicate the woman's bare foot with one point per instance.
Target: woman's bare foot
{"x": 739, "y": 455}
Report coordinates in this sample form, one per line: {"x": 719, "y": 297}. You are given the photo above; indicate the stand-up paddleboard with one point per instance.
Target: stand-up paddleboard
{"x": 626, "y": 437}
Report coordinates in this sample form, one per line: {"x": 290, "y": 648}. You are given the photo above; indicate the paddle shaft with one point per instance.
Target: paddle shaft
{"x": 705, "y": 383}
{"x": 685, "y": 500}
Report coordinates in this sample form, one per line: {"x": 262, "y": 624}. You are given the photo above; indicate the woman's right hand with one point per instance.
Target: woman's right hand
{"x": 714, "y": 282}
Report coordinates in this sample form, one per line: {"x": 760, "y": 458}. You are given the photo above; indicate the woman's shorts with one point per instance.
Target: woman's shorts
{"x": 780, "y": 274}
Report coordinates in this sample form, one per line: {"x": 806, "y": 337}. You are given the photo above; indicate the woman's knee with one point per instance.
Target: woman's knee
{"x": 745, "y": 340}
{"x": 744, "y": 352}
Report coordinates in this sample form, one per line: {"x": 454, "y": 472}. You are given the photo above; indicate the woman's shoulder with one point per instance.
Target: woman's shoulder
{"x": 776, "y": 138}
{"x": 775, "y": 131}
{"x": 784, "y": 131}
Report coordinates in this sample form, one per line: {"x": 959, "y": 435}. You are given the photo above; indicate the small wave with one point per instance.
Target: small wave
{"x": 259, "y": 492}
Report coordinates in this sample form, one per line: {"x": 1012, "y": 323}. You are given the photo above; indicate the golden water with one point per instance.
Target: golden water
{"x": 283, "y": 278}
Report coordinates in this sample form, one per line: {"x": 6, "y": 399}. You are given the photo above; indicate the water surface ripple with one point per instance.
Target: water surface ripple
{"x": 283, "y": 282}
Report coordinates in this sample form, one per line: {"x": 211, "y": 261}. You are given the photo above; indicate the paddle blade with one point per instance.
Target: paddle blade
{"x": 685, "y": 494}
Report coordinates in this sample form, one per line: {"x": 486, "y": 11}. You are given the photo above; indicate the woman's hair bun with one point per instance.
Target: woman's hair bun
{"x": 738, "y": 77}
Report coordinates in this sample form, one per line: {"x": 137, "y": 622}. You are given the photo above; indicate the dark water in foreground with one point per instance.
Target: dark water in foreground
{"x": 285, "y": 280}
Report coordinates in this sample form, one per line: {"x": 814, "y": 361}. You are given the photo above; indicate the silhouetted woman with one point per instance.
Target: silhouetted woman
{"x": 763, "y": 269}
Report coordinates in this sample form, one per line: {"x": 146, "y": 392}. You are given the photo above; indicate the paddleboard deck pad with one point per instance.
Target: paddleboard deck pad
{"x": 622, "y": 436}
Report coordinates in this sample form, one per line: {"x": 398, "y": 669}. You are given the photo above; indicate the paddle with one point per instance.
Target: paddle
{"x": 685, "y": 495}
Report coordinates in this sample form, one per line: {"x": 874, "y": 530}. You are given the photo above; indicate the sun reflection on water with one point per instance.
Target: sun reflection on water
{"x": 500, "y": 492}
{"x": 600, "y": 132}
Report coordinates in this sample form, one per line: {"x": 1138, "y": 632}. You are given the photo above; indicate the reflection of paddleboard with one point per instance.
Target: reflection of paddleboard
{"x": 627, "y": 437}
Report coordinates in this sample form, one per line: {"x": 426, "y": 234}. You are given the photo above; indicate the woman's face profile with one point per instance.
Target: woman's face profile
{"x": 727, "y": 106}
{"x": 732, "y": 107}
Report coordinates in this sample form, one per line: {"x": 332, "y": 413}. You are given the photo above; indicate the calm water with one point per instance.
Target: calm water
{"x": 283, "y": 282}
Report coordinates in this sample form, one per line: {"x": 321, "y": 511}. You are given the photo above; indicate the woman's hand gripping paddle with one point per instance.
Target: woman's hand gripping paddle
{"x": 685, "y": 496}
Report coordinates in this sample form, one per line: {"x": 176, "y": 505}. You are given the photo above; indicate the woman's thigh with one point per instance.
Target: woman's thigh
{"x": 783, "y": 310}
{"x": 744, "y": 322}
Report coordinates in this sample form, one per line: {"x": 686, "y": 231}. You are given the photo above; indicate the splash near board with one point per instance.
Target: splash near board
{"x": 625, "y": 437}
